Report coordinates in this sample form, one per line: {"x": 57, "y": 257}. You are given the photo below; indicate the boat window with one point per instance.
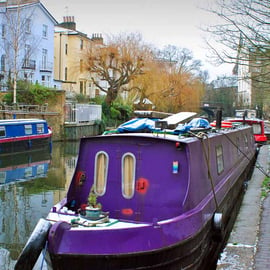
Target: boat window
{"x": 40, "y": 128}
{"x": 238, "y": 145}
{"x": 28, "y": 129}
{"x": 28, "y": 172}
{"x": 246, "y": 141}
{"x": 101, "y": 171}
{"x": 257, "y": 128}
{"x": 220, "y": 162}
{"x": 128, "y": 175}
{"x": 2, "y": 132}
{"x": 2, "y": 177}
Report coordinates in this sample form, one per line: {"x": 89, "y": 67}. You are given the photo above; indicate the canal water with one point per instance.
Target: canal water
{"x": 30, "y": 184}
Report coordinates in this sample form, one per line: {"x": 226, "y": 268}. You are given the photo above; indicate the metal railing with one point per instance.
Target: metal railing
{"x": 82, "y": 113}
{"x": 29, "y": 64}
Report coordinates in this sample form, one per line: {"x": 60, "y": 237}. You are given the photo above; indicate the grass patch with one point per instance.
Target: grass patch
{"x": 265, "y": 187}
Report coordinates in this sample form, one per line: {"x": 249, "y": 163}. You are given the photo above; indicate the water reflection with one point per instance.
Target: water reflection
{"x": 24, "y": 166}
{"x": 29, "y": 186}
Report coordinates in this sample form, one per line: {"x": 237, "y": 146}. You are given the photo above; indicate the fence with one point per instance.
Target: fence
{"x": 82, "y": 113}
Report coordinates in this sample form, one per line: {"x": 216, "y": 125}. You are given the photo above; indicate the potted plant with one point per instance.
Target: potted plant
{"x": 93, "y": 209}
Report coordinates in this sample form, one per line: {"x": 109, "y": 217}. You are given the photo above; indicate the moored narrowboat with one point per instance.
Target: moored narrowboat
{"x": 20, "y": 135}
{"x": 157, "y": 200}
{"x": 257, "y": 125}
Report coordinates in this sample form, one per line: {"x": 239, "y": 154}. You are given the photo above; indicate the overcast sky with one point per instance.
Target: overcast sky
{"x": 161, "y": 22}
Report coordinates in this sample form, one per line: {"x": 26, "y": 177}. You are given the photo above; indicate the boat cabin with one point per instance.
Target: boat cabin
{"x": 257, "y": 126}
{"x": 17, "y": 135}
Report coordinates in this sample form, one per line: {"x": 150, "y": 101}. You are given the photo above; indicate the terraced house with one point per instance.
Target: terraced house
{"x": 71, "y": 48}
{"x": 26, "y": 42}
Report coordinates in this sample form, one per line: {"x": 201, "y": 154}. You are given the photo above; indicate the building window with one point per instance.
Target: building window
{"x": 66, "y": 49}
{"x": 101, "y": 172}
{"x": 44, "y": 58}
{"x": 81, "y": 65}
{"x": 45, "y": 31}
{"x": 28, "y": 25}
{"x": 219, "y": 156}
{"x": 3, "y": 31}
{"x": 66, "y": 73}
{"x": 3, "y": 63}
{"x": 27, "y": 50}
{"x": 81, "y": 45}
{"x": 128, "y": 175}
{"x": 81, "y": 87}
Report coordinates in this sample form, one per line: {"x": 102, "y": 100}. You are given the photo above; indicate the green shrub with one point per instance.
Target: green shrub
{"x": 27, "y": 93}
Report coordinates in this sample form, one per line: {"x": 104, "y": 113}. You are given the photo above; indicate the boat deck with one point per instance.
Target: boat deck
{"x": 80, "y": 222}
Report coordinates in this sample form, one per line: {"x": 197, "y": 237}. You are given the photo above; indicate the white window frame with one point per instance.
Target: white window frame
{"x": 132, "y": 174}
{"x": 220, "y": 159}
{"x": 104, "y": 172}
{"x": 44, "y": 31}
{"x": 40, "y": 128}
{"x": 28, "y": 129}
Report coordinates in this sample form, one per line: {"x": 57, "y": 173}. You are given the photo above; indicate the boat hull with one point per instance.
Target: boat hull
{"x": 25, "y": 144}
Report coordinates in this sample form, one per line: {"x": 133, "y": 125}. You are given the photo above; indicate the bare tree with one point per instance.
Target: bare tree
{"x": 180, "y": 59}
{"x": 243, "y": 36}
{"x": 117, "y": 64}
{"x": 18, "y": 44}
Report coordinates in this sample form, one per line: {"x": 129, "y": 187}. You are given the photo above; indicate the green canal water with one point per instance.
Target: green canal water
{"x": 30, "y": 184}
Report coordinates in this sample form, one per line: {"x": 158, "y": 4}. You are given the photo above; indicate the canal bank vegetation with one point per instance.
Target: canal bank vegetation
{"x": 118, "y": 112}
{"x": 28, "y": 93}
{"x": 265, "y": 188}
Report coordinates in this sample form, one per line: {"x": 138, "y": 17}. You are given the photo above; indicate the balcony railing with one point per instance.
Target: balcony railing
{"x": 29, "y": 64}
{"x": 46, "y": 66}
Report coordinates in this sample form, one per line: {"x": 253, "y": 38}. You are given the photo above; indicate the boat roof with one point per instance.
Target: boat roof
{"x": 254, "y": 120}
{"x": 20, "y": 121}
{"x": 167, "y": 135}
{"x": 179, "y": 117}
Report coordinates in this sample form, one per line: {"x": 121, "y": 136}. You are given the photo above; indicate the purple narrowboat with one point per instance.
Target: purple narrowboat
{"x": 157, "y": 200}
{"x": 20, "y": 135}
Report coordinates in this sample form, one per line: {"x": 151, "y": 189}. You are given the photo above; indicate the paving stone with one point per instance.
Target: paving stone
{"x": 248, "y": 247}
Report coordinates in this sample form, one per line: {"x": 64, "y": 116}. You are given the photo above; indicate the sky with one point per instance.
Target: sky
{"x": 161, "y": 22}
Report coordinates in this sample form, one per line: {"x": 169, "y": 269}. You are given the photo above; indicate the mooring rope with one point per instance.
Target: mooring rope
{"x": 257, "y": 164}
{"x": 201, "y": 136}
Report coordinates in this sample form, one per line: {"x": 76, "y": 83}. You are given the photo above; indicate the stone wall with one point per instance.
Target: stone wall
{"x": 77, "y": 131}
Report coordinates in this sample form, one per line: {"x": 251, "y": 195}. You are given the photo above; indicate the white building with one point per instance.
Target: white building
{"x": 244, "y": 90}
{"x": 26, "y": 42}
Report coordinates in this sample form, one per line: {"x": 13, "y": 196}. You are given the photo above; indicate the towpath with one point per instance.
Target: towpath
{"x": 248, "y": 247}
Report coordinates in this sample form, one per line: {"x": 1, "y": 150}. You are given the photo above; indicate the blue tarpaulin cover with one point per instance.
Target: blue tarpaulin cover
{"x": 137, "y": 125}
{"x": 148, "y": 125}
{"x": 193, "y": 124}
